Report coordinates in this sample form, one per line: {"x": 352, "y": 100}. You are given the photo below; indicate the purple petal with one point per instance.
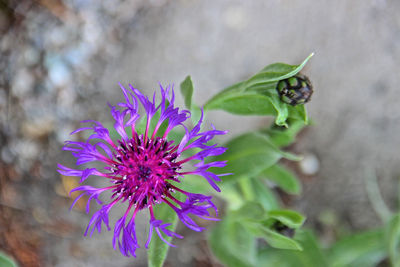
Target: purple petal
{"x": 131, "y": 105}
{"x": 147, "y": 104}
{"x": 84, "y": 174}
{"x": 119, "y": 122}
{"x": 98, "y": 218}
{"x": 160, "y": 229}
{"x": 99, "y": 130}
{"x": 126, "y": 237}
{"x": 92, "y": 192}
{"x": 211, "y": 177}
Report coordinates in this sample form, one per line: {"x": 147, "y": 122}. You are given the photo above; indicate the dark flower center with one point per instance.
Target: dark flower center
{"x": 143, "y": 170}
{"x": 143, "y": 173}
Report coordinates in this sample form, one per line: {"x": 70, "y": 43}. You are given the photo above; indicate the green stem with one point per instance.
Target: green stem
{"x": 246, "y": 189}
{"x": 375, "y": 196}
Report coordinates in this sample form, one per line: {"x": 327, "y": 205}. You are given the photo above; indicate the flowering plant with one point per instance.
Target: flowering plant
{"x": 144, "y": 169}
{"x": 147, "y": 166}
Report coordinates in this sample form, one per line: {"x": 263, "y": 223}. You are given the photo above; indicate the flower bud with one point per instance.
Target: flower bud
{"x": 295, "y": 90}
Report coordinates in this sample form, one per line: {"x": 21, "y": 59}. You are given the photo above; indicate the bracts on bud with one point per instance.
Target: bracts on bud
{"x": 295, "y": 90}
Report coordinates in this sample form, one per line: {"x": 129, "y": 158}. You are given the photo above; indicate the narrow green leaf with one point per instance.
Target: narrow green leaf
{"x": 283, "y": 178}
{"x": 289, "y": 218}
{"x": 279, "y": 68}
{"x": 367, "y": 249}
{"x": 271, "y": 74}
{"x": 157, "y": 252}
{"x": 187, "y": 91}
{"x": 248, "y": 155}
{"x": 6, "y": 261}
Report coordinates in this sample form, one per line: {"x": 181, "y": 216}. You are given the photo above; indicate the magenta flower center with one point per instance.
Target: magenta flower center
{"x": 142, "y": 170}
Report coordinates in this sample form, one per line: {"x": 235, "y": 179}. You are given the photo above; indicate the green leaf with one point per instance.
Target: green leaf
{"x": 289, "y": 218}
{"x": 158, "y": 249}
{"x": 249, "y": 211}
{"x": 254, "y": 103}
{"x": 281, "y": 110}
{"x": 219, "y": 97}
{"x": 279, "y": 68}
{"x": 277, "y": 240}
{"x": 248, "y": 104}
{"x": 264, "y": 195}
{"x": 247, "y": 189}
{"x": 271, "y": 257}
{"x": 248, "y": 155}
{"x": 298, "y": 112}
{"x": 283, "y": 178}
{"x": 187, "y": 91}
{"x": 393, "y": 240}
{"x": 364, "y": 249}
{"x": 233, "y": 244}
{"x": 276, "y": 72}
{"x": 285, "y": 68}
{"x": 6, "y": 261}
{"x": 311, "y": 255}
{"x": 257, "y": 95}
{"x": 260, "y": 223}
{"x": 253, "y": 191}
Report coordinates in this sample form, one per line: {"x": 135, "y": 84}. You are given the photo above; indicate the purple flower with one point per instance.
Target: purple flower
{"x": 143, "y": 169}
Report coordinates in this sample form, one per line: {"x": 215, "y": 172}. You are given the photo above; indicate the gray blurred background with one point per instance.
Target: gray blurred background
{"x": 61, "y": 60}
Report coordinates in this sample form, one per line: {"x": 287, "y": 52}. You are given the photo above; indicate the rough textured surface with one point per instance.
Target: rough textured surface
{"x": 44, "y": 92}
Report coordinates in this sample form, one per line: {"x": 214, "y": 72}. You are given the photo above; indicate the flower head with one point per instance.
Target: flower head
{"x": 143, "y": 169}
